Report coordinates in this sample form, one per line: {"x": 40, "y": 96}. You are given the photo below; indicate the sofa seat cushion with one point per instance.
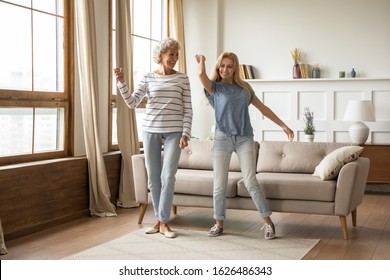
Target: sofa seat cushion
{"x": 200, "y": 182}
{"x": 293, "y": 186}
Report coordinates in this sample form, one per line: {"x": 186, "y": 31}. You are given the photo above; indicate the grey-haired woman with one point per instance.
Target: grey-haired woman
{"x": 168, "y": 121}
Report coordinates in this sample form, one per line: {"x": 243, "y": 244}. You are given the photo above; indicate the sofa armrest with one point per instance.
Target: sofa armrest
{"x": 351, "y": 185}
{"x": 140, "y": 179}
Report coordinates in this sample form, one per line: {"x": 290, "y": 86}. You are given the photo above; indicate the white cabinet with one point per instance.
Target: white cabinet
{"x": 327, "y": 98}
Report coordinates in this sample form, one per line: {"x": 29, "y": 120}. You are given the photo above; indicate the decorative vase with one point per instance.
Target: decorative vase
{"x": 296, "y": 71}
{"x": 316, "y": 73}
{"x": 353, "y": 73}
{"x": 309, "y": 137}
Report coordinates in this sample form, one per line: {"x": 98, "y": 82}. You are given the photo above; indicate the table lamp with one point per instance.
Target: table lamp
{"x": 359, "y": 111}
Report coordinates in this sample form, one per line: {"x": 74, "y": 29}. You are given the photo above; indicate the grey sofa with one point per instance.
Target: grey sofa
{"x": 284, "y": 170}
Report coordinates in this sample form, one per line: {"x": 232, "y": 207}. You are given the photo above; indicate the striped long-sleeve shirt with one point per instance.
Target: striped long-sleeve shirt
{"x": 169, "y": 107}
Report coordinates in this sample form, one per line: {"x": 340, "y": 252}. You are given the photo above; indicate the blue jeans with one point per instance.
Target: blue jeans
{"x": 244, "y": 146}
{"x": 162, "y": 172}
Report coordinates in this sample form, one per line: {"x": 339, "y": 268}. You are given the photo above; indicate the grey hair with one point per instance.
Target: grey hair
{"x": 162, "y": 47}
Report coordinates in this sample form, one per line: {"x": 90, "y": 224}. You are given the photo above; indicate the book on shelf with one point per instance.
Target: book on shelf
{"x": 247, "y": 71}
{"x": 304, "y": 70}
{"x": 242, "y": 71}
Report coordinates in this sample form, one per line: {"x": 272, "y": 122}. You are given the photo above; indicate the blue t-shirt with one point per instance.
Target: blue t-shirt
{"x": 230, "y": 103}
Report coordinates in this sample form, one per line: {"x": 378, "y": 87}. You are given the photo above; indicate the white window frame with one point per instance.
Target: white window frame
{"x": 36, "y": 99}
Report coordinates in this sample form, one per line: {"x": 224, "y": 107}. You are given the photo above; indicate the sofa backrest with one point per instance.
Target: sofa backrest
{"x": 293, "y": 157}
{"x": 198, "y": 155}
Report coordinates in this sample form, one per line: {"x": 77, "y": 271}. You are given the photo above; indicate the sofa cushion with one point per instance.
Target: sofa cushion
{"x": 331, "y": 165}
{"x": 292, "y": 157}
{"x": 292, "y": 186}
{"x": 198, "y": 155}
{"x": 200, "y": 182}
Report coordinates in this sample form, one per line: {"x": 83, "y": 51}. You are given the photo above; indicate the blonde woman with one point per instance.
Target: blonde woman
{"x": 230, "y": 97}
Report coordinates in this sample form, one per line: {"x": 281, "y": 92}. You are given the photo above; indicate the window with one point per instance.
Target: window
{"x": 147, "y": 30}
{"x": 34, "y": 79}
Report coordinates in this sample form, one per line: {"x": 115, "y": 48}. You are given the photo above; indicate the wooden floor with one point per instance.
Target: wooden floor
{"x": 370, "y": 240}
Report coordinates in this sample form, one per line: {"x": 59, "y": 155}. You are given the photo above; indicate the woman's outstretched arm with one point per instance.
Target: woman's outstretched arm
{"x": 204, "y": 79}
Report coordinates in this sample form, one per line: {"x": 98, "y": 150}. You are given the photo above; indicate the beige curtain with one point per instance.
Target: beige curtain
{"x": 99, "y": 192}
{"x": 175, "y": 29}
{"x": 126, "y": 121}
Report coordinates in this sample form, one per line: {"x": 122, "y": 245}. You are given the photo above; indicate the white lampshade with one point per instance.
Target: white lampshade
{"x": 359, "y": 111}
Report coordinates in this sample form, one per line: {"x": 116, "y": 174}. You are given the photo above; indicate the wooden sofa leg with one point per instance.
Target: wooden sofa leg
{"x": 354, "y": 217}
{"x": 344, "y": 229}
{"x": 174, "y": 209}
{"x": 142, "y": 210}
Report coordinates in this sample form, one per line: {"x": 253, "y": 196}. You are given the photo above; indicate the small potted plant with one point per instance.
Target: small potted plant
{"x": 309, "y": 129}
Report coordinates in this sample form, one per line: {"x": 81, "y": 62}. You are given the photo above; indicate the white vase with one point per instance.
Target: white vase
{"x": 309, "y": 137}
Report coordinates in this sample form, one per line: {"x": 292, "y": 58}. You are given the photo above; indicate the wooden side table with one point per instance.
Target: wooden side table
{"x": 379, "y": 156}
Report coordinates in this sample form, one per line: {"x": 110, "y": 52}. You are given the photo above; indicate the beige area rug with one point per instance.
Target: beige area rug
{"x": 196, "y": 245}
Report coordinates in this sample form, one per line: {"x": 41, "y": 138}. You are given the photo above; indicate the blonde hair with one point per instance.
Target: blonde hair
{"x": 163, "y": 46}
{"x": 236, "y": 75}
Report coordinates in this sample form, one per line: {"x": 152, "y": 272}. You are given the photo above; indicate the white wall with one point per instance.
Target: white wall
{"x": 337, "y": 35}
{"x": 202, "y": 29}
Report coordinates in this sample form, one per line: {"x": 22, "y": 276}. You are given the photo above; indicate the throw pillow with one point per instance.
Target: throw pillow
{"x": 331, "y": 165}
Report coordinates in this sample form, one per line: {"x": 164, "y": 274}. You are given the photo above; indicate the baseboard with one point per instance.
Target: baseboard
{"x": 378, "y": 189}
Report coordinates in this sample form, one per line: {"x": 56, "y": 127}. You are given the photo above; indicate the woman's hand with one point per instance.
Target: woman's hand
{"x": 289, "y": 132}
{"x": 183, "y": 142}
{"x": 119, "y": 75}
{"x": 204, "y": 79}
{"x": 200, "y": 58}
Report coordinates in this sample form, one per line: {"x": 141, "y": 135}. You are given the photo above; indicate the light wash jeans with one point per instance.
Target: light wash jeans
{"x": 161, "y": 173}
{"x": 223, "y": 148}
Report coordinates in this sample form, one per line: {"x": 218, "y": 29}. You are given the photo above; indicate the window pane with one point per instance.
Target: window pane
{"x": 154, "y": 64}
{"x": 156, "y": 20}
{"x": 48, "y": 52}
{"x": 113, "y": 59}
{"x": 16, "y": 125}
{"x": 114, "y": 136}
{"x": 25, "y": 3}
{"x": 15, "y": 51}
{"x": 141, "y": 58}
{"x": 141, "y": 15}
{"x": 50, "y": 6}
{"x": 113, "y": 14}
{"x": 139, "y": 116}
{"x": 49, "y": 129}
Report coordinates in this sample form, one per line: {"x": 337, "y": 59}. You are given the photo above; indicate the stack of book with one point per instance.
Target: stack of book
{"x": 304, "y": 70}
{"x": 246, "y": 71}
